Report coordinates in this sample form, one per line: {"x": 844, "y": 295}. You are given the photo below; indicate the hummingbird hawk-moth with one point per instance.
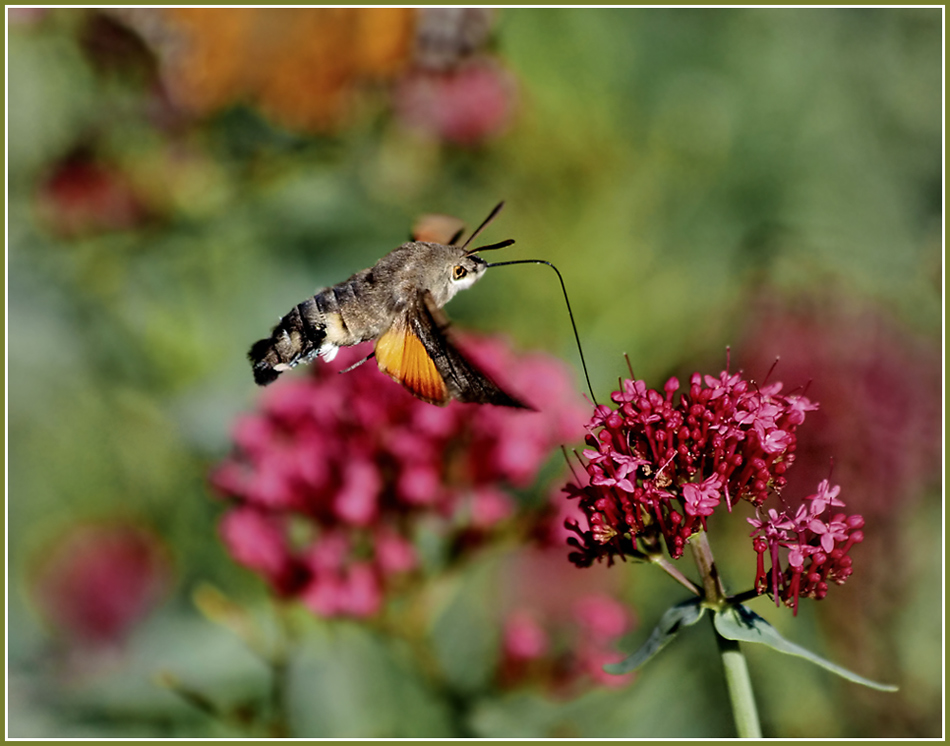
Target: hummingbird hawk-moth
{"x": 398, "y": 303}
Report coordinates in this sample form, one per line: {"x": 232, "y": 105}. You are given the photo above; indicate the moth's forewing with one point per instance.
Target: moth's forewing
{"x": 463, "y": 379}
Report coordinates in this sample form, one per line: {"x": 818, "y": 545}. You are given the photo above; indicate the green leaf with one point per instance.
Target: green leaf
{"x": 743, "y": 624}
{"x": 672, "y": 621}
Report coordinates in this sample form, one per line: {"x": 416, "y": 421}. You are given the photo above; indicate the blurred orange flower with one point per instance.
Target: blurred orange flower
{"x": 301, "y": 66}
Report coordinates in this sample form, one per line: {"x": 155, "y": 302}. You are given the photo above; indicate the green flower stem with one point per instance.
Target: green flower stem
{"x": 660, "y": 561}
{"x": 740, "y": 689}
{"x": 712, "y": 584}
{"x": 738, "y": 683}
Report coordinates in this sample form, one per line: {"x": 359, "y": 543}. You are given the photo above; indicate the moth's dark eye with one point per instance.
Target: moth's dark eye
{"x": 459, "y": 272}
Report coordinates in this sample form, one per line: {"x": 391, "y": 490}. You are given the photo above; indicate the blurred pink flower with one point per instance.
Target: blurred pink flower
{"x": 560, "y": 626}
{"x": 354, "y": 462}
{"x": 565, "y": 653}
{"x": 394, "y": 553}
{"x": 879, "y": 385}
{"x": 490, "y": 506}
{"x": 99, "y": 580}
{"x": 464, "y": 106}
{"x": 256, "y": 540}
{"x": 524, "y": 637}
{"x": 877, "y": 435}
{"x": 601, "y": 617}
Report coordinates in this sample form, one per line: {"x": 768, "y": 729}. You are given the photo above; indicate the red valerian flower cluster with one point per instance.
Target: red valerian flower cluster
{"x": 817, "y": 545}
{"x": 332, "y": 478}
{"x": 99, "y": 580}
{"x": 659, "y": 467}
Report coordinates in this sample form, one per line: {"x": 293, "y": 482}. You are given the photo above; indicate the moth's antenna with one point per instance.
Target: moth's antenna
{"x": 570, "y": 313}
{"x": 491, "y": 246}
{"x": 485, "y": 222}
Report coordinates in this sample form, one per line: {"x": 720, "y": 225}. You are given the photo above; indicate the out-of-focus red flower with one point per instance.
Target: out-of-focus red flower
{"x": 99, "y": 580}
{"x": 465, "y": 106}
{"x": 524, "y": 637}
{"x": 355, "y": 462}
{"x": 879, "y": 385}
{"x": 84, "y": 196}
{"x": 559, "y": 626}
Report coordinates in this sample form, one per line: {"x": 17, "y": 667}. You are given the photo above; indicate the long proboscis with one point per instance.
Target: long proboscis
{"x": 570, "y": 313}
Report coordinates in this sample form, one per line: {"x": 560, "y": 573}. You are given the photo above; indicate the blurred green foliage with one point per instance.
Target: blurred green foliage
{"x": 675, "y": 165}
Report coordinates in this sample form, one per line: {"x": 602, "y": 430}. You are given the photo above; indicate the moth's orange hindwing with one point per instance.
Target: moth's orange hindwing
{"x": 401, "y": 355}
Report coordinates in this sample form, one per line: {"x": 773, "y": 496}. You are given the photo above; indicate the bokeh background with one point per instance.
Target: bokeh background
{"x": 767, "y": 180}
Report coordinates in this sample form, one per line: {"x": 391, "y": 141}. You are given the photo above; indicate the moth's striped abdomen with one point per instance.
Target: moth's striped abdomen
{"x": 298, "y": 337}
